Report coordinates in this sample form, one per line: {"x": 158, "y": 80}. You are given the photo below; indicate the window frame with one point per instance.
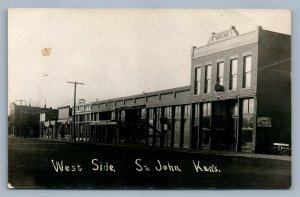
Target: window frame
{"x": 220, "y": 75}
{"x": 247, "y": 72}
{"x": 197, "y": 82}
{"x": 207, "y": 87}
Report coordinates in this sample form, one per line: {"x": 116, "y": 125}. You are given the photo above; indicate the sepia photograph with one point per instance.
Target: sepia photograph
{"x": 149, "y": 99}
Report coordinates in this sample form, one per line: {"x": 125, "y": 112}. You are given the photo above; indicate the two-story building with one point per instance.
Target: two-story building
{"x": 240, "y": 85}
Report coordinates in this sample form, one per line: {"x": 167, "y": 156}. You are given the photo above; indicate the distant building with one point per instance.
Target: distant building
{"x": 24, "y": 120}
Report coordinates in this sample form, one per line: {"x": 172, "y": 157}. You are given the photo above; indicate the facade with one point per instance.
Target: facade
{"x": 83, "y": 120}
{"x": 239, "y": 99}
{"x": 238, "y": 77}
{"x": 24, "y": 120}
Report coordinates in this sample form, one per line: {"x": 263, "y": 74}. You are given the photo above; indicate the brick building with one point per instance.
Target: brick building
{"x": 239, "y": 77}
{"x": 25, "y": 120}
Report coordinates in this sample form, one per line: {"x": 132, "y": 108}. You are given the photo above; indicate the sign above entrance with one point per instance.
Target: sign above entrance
{"x": 224, "y": 35}
{"x": 264, "y": 122}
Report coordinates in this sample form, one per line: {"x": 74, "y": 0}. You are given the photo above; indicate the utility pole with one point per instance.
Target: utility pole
{"x": 20, "y": 119}
{"x": 74, "y": 116}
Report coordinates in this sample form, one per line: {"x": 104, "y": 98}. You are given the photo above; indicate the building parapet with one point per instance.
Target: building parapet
{"x": 233, "y": 42}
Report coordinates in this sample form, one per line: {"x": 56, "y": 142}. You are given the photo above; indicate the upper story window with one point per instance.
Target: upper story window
{"x": 247, "y": 71}
{"x": 207, "y": 88}
{"x": 197, "y": 81}
{"x": 233, "y": 74}
{"x": 220, "y": 73}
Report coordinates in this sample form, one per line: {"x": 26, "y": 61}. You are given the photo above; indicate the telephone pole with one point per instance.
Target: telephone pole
{"x": 74, "y": 116}
{"x": 20, "y": 119}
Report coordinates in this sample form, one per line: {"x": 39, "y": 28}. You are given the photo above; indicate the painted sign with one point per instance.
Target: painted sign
{"x": 84, "y": 108}
{"x": 264, "y": 122}
{"x": 216, "y": 37}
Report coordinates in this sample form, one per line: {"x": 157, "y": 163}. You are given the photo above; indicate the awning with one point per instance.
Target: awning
{"x": 103, "y": 122}
{"x": 64, "y": 121}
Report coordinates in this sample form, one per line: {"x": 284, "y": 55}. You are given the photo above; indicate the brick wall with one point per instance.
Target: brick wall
{"x": 274, "y": 89}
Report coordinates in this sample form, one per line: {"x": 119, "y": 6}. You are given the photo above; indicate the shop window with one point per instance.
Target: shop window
{"x": 113, "y": 115}
{"x": 247, "y": 127}
{"x": 186, "y": 111}
{"x": 206, "y": 107}
{"x": 234, "y": 109}
{"x": 196, "y": 113}
{"x": 248, "y": 106}
{"x": 123, "y": 115}
{"x": 220, "y": 73}
{"x": 207, "y": 88}
{"x": 247, "y": 121}
{"x": 177, "y": 111}
{"x": 158, "y": 112}
{"x": 168, "y": 112}
{"x": 143, "y": 113}
{"x": 150, "y": 114}
{"x": 197, "y": 81}
{"x": 233, "y": 74}
{"x": 247, "y": 71}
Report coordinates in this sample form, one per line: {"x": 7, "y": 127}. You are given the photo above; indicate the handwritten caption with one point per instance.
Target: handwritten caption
{"x": 138, "y": 164}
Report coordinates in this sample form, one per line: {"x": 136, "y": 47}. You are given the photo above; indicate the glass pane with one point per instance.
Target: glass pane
{"x": 198, "y": 88}
{"x": 220, "y": 69}
{"x": 208, "y": 72}
{"x": 150, "y": 114}
{"x": 204, "y": 109}
{"x": 177, "y": 111}
{"x": 251, "y": 106}
{"x": 247, "y": 62}
{"x": 220, "y": 81}
{"x": 236, "y": 109}
{"x": 208, "y": 109}
{"x": 198, "y": 74}
{"x": 233, "y": 66}
{"x": 186, "y": 111}
{"x": 208, "y": 85}
{"x": 245, "y": 106}
{"x": 234, "y": 77}
{"x": 247, "y": 121}
{"x": 248, "y": 80}
{"x": 143, "y": 114}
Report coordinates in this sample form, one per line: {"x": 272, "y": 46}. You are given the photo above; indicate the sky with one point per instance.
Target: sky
{"x": 114, "y": 52}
